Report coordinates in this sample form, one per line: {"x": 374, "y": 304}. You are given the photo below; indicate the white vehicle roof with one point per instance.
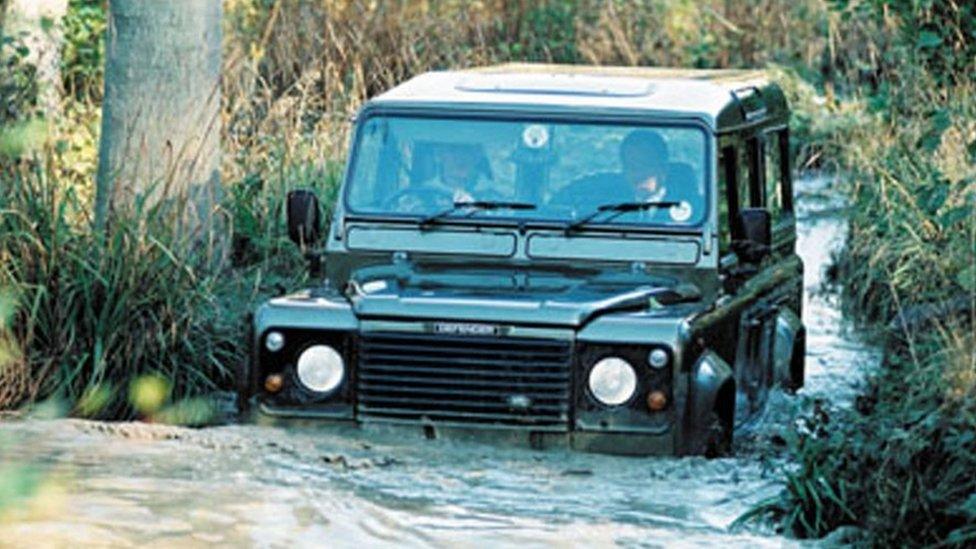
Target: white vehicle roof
{"x": 722, "y": 98}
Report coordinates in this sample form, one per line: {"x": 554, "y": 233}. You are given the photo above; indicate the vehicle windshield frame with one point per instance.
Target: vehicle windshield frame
{"x": 530, "y": 114}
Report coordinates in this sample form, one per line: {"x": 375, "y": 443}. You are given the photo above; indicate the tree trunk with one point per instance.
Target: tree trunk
{"x": 39, "y": 22}
{"x": 161, "y": 112}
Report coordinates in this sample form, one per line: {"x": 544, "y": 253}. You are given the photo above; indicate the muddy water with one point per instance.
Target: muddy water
{"x": 131, "y": 484}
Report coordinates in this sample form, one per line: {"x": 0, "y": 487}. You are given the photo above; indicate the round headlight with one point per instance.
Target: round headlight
{"x": 658, "y": 358}
{"x": 613, "y": 381}
{"x": 321, "y": 368}
{"x": 274, "y": 341}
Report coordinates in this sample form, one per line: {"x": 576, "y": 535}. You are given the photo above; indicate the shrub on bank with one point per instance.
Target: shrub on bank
{"x": 92, "y": 312}
{"x": 902, "y": 465}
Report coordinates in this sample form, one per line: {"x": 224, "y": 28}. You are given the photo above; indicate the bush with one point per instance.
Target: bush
{"x": 902, "y": 464}
{"x": 83, "y": 53}
{"x": 93, "y": 312}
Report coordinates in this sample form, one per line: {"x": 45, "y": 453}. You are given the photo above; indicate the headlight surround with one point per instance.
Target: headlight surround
{"x": 320, "y": 369}
{"x": 612, "y": 381}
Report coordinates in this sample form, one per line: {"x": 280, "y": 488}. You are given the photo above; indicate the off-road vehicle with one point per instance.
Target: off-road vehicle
{"x": 598, "y": 257}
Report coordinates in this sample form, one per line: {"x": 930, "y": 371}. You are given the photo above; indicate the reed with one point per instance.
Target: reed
{"x": 91, "y": 312}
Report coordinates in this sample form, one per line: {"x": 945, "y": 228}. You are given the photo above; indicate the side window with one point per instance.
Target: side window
{"x": 785, "y": 170}
{"x": 728, "y": 201}
{"x": 754, "y": 154}
{"x": 774, "y": 177}
{"x": 742, "y": 177}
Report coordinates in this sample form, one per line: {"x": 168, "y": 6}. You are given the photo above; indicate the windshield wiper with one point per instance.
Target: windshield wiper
{"x": 475, "y": 206}
{"x": 617, "y": 209}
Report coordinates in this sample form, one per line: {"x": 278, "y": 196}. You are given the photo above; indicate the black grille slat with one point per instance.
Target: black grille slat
{"x": 461, "y": 360}
{"x": 428, "y": 348}
{"x": 463, "y": 341}
{"x": 457, "y": 392}
{"x": 467, "y": 403}
{"x": 409, "y": 368}
{"x": 548, "y": 385}
{"x": 503, "y": 380}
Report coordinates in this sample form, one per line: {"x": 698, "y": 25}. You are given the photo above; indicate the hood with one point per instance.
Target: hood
{"x": 508, "y": 294}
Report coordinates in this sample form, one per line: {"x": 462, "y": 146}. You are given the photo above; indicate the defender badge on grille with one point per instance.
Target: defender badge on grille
{"x": 466, "y": 329}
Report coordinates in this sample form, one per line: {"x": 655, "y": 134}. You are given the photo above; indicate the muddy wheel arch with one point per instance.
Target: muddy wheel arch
{"x": 712, "y": 396}
{"x": 789, "y": 350}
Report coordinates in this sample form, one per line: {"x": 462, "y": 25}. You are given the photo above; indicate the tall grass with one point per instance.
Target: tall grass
{"x": 297, "y": 71}
{"x": 902, "y": 465}
{"x": 89, "y": 315}
{"x": 95, "y": 311}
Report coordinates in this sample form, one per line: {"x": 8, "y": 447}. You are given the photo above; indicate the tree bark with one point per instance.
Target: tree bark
{"x": 39, "y": 22}
{"x": 161, "y": 111}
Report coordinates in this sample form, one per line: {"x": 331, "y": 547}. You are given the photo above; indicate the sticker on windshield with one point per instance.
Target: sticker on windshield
{"x": 535, "y": 136}
{"x": 681, "y": 212}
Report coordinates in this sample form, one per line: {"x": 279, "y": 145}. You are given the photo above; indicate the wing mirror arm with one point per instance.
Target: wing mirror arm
{"x": 305, "y": 227}
{"x": 757, "y": 235}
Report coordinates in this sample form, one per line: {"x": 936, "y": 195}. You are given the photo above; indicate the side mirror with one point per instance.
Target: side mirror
{"x": 757, "y": 234}
{"x": 304, "y": 217}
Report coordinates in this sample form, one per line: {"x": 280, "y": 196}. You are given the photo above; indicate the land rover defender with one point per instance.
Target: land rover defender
{"x": 597, "y": 257}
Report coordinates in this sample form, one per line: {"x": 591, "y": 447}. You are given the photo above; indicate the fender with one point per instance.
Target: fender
{"x": 712, "y": 389}
{"x": 789, "y": 350}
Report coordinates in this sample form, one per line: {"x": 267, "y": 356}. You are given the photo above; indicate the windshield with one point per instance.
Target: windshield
{"x": 422, "y": 167}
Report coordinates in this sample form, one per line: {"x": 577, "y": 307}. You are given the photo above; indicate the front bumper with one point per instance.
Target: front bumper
{"x": 617, "y": 443}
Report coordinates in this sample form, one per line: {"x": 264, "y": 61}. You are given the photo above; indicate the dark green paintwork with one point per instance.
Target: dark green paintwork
{"x": 596, "y": 288}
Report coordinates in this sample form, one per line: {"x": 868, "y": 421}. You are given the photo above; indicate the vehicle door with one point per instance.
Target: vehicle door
{"x": 756, "y": 284}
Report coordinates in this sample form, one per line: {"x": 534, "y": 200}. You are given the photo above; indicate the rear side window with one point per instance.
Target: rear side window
{"x": 728, "y": 200}
{"x": 754, "y": 162}
{"x": 774, "y": 175}
{"x": 778, "y": 187}
{"x": 743, "y": 193}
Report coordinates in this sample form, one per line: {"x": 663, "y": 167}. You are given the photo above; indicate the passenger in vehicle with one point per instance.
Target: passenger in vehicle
{"x": 643, "y": 160}
{"x": 682, "y": 187}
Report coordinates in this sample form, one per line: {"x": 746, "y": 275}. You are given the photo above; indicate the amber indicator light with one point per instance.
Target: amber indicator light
{"x": 273, "y": 383}
{"x": 656, "y": 401}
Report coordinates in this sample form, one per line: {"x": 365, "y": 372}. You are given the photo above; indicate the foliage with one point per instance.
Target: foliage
{"x": 83, "y": 52}
{"x": 18, "y": 88}
{"x": 18, "y": 96}
{"x": 939, "y": 36}
{"x": 902, "y": 464}
{"x": 96, "y": 311}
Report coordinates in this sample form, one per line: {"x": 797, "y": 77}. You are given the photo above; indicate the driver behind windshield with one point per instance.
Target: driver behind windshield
{"x": 444, "y": 173}
{"x": 461, "y": 172}
{"x": 644, "y": 162}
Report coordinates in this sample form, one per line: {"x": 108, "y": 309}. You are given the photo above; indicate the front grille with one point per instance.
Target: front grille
{"x": 461, "y": 379}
